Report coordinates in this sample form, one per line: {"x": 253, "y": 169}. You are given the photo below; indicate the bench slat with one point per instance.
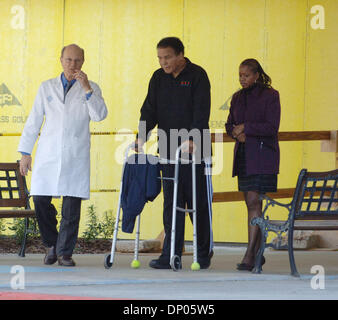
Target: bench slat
{"x": 17, "y": 213}
{"x": 318, "y": 217}
{"x": 311, "y": 225}
{"x": 13, "y": 202}
{"x": 230, "y": 196}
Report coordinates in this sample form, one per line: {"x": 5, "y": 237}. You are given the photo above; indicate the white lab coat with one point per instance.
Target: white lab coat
{"x": 62, "y": 159}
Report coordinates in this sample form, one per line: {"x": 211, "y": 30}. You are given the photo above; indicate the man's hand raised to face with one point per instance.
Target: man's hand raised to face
{"x": 83, "y": 79}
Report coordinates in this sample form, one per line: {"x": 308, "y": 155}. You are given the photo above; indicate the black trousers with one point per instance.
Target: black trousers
{"x": 64, "y": 241}
{"x": 184, "y": 200}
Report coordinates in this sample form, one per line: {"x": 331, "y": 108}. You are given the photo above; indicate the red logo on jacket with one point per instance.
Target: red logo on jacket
{"x": 185, "y": 83}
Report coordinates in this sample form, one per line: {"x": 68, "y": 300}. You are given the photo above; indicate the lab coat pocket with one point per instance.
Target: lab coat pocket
{"x": 79, "y": 147}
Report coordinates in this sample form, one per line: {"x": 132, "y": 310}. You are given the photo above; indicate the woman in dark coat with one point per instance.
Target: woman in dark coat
{"x": 253, "y": 122}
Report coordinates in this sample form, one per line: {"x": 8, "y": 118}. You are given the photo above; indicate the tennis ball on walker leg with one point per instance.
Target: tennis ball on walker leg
{"x": 195, "y": 266}
{"x": 135, "y": 264}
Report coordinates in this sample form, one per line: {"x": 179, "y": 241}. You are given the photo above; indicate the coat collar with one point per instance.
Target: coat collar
{"x": 187, "y": 66}
{"x": 65, "y": 81}
{"x": 58, "y": 84}
{"x": 186, "y": 69}
{"x": 255, "y": 90}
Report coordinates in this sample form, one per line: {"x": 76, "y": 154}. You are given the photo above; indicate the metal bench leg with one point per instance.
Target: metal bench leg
{"x": 23, "y": 243}
{"x": 293, "y": 267}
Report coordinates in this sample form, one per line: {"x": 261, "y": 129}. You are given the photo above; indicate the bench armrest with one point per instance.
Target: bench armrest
{"x": 272, "y": 202}
{"x": 264, "y": 221}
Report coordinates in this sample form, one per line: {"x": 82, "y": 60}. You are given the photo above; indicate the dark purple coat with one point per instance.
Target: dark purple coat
{"x": 261, "y": 116}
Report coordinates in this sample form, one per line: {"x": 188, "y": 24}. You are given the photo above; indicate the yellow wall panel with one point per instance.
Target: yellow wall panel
{"x": 31, "y": 35}
{"x": 321, "y": 70}
{"x": 31, "y": 38}
{"x": 120, "y": 37}
{"x": 219, "y": 43}
{"x": 321, "y": 94}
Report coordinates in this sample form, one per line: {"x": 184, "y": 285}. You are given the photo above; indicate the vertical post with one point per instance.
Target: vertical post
{"x": 335, "y": 134}
{"x": 331, "y": 145}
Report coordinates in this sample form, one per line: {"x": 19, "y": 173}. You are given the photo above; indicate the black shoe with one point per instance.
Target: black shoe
{"x": 263, "y": 262}
{"x": 244, "y": 267}
{"x": 248, "y": 267}
{"x": 158, "y": 264}
{"x": 205, "y": 262}
{"x": 50, "y": 257}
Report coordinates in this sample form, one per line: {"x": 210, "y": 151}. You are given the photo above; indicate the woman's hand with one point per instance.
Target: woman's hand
{"x": 237, "y": 130}
{"x": 241, "y": 137}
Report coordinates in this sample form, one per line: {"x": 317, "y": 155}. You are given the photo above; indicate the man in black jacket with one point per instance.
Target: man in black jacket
{"x": 178, "y": 102}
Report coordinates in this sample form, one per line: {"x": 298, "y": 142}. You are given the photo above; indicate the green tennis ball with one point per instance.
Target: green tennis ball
{"x": 195, "y": 266}
{"x": 135, "y": 264}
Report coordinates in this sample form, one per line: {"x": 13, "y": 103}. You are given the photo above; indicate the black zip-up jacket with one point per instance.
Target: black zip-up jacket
{"x": 178, "y": 103}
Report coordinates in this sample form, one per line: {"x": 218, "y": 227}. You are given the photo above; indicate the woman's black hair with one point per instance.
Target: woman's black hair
{"x": 172, "y": 42}
{"x": 255, "y": 66}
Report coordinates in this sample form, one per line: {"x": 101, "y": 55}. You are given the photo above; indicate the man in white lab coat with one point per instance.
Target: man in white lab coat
{"x": 66, "y": 105}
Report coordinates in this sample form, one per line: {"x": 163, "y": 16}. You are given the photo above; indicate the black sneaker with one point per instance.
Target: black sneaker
{"x": 205, "y": 262}
{"x": 158, "y": 264}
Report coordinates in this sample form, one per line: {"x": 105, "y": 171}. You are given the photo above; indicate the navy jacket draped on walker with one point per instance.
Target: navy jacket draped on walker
{"x": 140, "y": 184}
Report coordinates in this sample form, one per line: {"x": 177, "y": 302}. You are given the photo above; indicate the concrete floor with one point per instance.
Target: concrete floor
{"x": 89, "y": 279}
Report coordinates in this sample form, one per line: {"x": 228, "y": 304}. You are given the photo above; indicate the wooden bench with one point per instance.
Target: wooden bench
{"x": 14, "y": 194}
{"x": 314, "y": 207}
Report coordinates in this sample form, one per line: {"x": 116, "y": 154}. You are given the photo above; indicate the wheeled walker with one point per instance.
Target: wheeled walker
{"x": 174, "y": 259}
